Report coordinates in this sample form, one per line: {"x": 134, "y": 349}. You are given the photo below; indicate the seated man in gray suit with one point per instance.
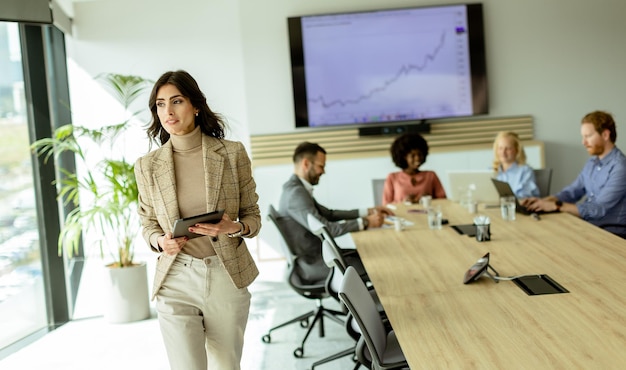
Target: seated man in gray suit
{"x": 297, "y": 201}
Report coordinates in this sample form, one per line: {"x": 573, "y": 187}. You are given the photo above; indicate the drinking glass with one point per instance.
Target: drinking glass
{"x": 507, "y": 208}
{"x": 472, "y": 207}
{"x": 434, "y": 217}
{"x": 397, "y": 223}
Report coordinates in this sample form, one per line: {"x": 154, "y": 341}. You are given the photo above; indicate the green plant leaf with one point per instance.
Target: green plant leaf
{"x": 105, "y": 195}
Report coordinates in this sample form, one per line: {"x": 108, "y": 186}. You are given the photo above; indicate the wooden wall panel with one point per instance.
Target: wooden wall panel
{"x": 346, "y": 142}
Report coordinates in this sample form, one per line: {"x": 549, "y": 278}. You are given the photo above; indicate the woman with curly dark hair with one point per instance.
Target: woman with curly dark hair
{"x": 409, "y": 152}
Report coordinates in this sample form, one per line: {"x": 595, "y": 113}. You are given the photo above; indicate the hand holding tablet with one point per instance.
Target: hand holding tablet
{"x": 182, "y": 225}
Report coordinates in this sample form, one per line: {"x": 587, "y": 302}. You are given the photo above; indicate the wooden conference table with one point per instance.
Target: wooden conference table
{"x": 443, "y": 324}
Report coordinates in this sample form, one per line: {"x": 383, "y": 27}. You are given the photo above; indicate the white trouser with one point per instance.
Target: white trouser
{"x": 202, "y": 315}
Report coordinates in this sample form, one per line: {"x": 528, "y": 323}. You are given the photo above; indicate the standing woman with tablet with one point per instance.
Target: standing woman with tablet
{"x": 201, "y": 283}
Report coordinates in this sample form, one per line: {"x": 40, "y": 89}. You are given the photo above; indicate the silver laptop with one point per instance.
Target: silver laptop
{"x": 483, "y": 190}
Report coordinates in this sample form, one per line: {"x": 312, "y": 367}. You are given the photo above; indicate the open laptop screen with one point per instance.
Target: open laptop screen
{"x": 504, "y": 189}
{"x": 483, "y": 190}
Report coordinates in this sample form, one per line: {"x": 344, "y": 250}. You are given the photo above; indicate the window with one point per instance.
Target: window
{"x": 22, "y": 294}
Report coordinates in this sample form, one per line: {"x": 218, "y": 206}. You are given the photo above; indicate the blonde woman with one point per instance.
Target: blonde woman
{"x": 510, "y": 165}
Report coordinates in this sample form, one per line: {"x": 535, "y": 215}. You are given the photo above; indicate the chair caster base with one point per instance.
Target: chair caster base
{"x": 299, "y": 352}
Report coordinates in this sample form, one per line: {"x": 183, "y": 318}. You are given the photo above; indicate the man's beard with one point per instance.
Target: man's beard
{"x": 596, "y": 149}
{"x": 313, "y": 179}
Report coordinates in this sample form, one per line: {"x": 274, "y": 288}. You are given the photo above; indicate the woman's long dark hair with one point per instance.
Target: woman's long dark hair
{"x": 211, "y": 123}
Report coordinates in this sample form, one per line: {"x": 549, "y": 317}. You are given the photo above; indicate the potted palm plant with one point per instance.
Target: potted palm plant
{"x": 104, "y": 195}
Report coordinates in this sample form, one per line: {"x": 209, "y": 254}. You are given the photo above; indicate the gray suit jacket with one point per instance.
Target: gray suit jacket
{"x": 295, "y": 204}
{"x": 229, "y": 186}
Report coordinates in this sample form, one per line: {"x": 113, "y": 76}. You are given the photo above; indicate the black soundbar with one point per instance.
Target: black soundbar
{"x": 395, "y": 129}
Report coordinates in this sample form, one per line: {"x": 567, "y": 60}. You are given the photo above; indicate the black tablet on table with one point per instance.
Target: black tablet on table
{"x": 182, "y": 225}
{"x": 469, "y": 229}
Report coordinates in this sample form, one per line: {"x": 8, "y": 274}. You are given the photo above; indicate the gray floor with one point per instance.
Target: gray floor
{"x": 95, "y": 344}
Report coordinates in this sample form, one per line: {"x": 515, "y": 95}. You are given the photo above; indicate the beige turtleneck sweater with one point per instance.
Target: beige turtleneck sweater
{"x": 190, "y": 186}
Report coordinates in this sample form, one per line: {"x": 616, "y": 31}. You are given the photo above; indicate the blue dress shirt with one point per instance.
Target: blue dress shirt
{"x": 521, "y": 179}
{"x": 602, "y": 183}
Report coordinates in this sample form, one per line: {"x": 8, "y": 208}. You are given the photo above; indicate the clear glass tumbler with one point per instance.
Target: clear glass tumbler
{"x": 507, "y": 208}
{"x": 434, "y": 217}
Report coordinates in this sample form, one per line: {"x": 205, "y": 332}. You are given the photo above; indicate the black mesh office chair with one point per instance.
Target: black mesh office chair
{"x": 382, "y": 344}
{"x": 347, "y": 257}
{"x": 360, "y": 355}
{"x": 308, "y": 289}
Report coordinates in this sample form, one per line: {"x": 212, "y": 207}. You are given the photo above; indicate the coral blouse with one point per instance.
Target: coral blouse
{"x": 399, "y": 185}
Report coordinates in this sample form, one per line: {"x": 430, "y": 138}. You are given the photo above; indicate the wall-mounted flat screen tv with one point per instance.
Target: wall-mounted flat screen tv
{"x": 398, "y": 65}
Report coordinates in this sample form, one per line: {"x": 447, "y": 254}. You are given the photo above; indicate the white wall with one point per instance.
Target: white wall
{"x": 555, "y": 60}
{"x": 147, "y": 38}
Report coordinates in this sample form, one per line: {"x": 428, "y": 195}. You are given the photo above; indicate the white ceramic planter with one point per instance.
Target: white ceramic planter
{"x": 126, "y": 296}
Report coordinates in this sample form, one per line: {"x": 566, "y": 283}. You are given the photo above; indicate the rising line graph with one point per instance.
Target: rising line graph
{"x": 403, "y": 70}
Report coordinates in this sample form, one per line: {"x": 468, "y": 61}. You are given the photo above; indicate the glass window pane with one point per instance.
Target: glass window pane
{"x": 22, "y": 303}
